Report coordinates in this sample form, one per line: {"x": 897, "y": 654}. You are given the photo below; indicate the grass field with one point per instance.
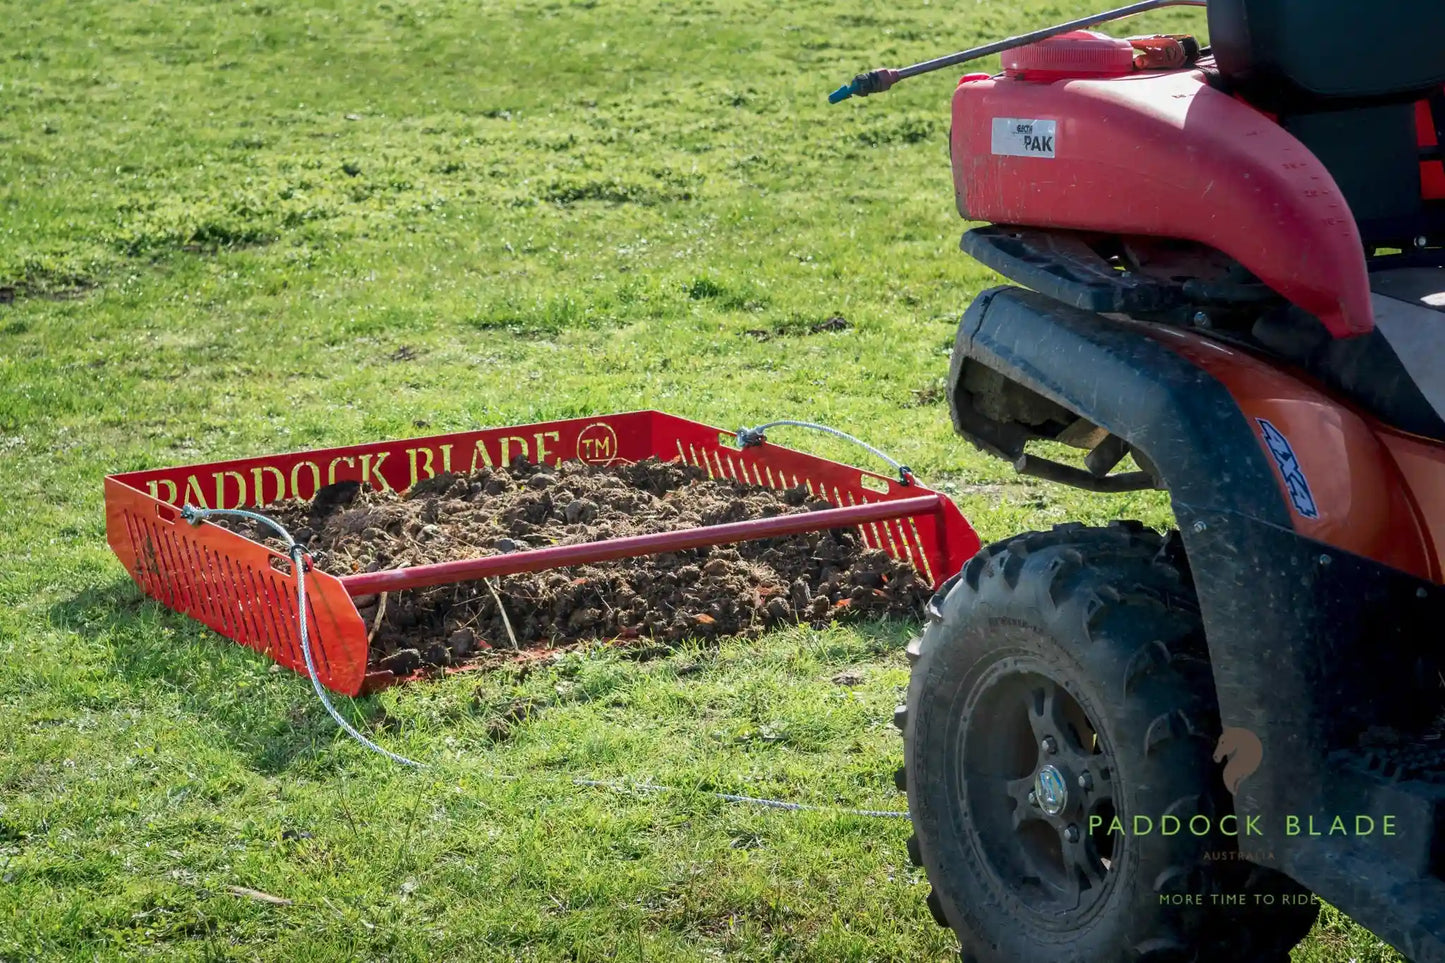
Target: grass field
{"x": 241, "y": 227}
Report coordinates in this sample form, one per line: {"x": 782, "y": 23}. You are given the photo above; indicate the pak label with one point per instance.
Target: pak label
{"x": 1013, "y": 137}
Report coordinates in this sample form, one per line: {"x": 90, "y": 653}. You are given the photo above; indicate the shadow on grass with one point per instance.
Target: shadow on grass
{"x": 267, "y": 715}
{"x": 241, "y": 702}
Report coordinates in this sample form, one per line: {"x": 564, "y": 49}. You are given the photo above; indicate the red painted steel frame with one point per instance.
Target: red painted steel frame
{"x": 1166, "y": 155}
{"x": 444, "y": 573}
{"x": 247, "y": 592}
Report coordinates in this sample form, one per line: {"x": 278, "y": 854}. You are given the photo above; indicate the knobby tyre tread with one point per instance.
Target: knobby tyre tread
{"x": 1114, "y": 608}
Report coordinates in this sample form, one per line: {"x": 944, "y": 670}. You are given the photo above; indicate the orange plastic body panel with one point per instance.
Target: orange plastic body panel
{"x": 1164, "y": 154}
{"x": 1421, "y": 463}
{"x": 1363, "y": 500}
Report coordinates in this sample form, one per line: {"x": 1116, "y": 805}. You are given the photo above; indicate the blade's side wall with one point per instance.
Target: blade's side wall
{"x": 236, "y": 587}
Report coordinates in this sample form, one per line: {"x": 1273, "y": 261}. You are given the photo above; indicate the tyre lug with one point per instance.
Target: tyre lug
{"x": 1071, "y": 833}
{"x": 1049, "y": 745}
{"x": 935, "y": 906}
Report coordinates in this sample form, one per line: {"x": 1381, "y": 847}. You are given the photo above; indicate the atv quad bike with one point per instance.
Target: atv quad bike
{"x": 1227, "y": 264}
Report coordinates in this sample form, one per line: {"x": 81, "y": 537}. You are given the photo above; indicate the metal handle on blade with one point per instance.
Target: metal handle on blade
{"x": 877, "y": 81}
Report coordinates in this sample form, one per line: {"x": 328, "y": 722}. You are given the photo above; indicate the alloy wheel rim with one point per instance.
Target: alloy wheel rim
{"x": 1039, "y": 781}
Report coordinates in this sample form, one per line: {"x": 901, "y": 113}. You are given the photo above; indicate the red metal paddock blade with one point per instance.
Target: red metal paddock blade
{"x": 247, "y": 592}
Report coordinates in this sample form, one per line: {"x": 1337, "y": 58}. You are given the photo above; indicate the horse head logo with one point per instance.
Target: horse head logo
{"x": 1241, "y": 752}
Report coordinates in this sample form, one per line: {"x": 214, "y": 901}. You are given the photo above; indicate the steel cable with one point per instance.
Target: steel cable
{"x": 298, "y": 560}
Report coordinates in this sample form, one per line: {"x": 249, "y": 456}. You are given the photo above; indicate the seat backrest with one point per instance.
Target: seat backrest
{"x": 1344, "y": 77}
{"x": 1280, "y": 53}
{"x": 1374, "y": 155}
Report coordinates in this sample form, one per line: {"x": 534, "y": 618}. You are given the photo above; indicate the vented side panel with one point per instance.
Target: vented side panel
{"x": 769, "y": 466}
{"x": 233, "y": 586}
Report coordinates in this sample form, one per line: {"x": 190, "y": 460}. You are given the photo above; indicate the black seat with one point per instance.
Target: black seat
{"x": 1344, "y": 77}
{"x": 1301, "y": 53}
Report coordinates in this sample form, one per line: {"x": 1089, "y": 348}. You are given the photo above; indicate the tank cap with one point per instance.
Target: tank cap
{"x": 1078, "y": 53}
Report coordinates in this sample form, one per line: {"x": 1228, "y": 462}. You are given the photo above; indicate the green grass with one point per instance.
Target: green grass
{"x": 241, "y": 227}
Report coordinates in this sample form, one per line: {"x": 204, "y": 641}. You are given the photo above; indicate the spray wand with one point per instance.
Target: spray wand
{"x": 881, "y": 79}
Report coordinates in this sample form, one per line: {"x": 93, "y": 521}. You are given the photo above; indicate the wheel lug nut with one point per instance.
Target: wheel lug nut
{"x": 1033, "y": 799}
{"x": 1071, "y": 833}
{"x": 1049, "y": 745}
{"x": 1086, "y": 781}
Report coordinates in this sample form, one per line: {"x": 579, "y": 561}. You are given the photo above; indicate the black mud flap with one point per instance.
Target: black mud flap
{"x": 1334, "y": 663}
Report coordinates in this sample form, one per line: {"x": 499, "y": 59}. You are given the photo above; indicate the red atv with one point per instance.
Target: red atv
{"x": 1228, "y": 266}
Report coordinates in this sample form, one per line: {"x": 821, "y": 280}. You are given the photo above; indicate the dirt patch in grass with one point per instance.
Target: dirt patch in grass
{"x": 797, "y": 327}
{"x": 739, "y": 590}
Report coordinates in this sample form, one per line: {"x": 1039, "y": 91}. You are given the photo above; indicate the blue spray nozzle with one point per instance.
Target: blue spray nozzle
{"x": 841, "y": 94}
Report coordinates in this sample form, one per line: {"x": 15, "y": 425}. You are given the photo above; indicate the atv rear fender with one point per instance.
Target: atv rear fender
{"x": 1316, "y": 581}
{"x": 1223, "y": 430}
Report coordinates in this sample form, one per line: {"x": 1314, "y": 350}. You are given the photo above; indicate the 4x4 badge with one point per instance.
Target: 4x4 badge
{"x": 1290, "y": 470}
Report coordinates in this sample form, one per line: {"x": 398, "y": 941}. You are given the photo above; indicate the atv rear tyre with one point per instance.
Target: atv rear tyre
{"x": 1062, "y": 681}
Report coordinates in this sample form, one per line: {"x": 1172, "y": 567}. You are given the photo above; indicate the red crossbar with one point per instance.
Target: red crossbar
{"x": 558, "y": 556}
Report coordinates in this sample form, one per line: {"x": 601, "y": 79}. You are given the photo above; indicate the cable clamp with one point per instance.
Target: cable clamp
{"x": 751, "y": 437}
